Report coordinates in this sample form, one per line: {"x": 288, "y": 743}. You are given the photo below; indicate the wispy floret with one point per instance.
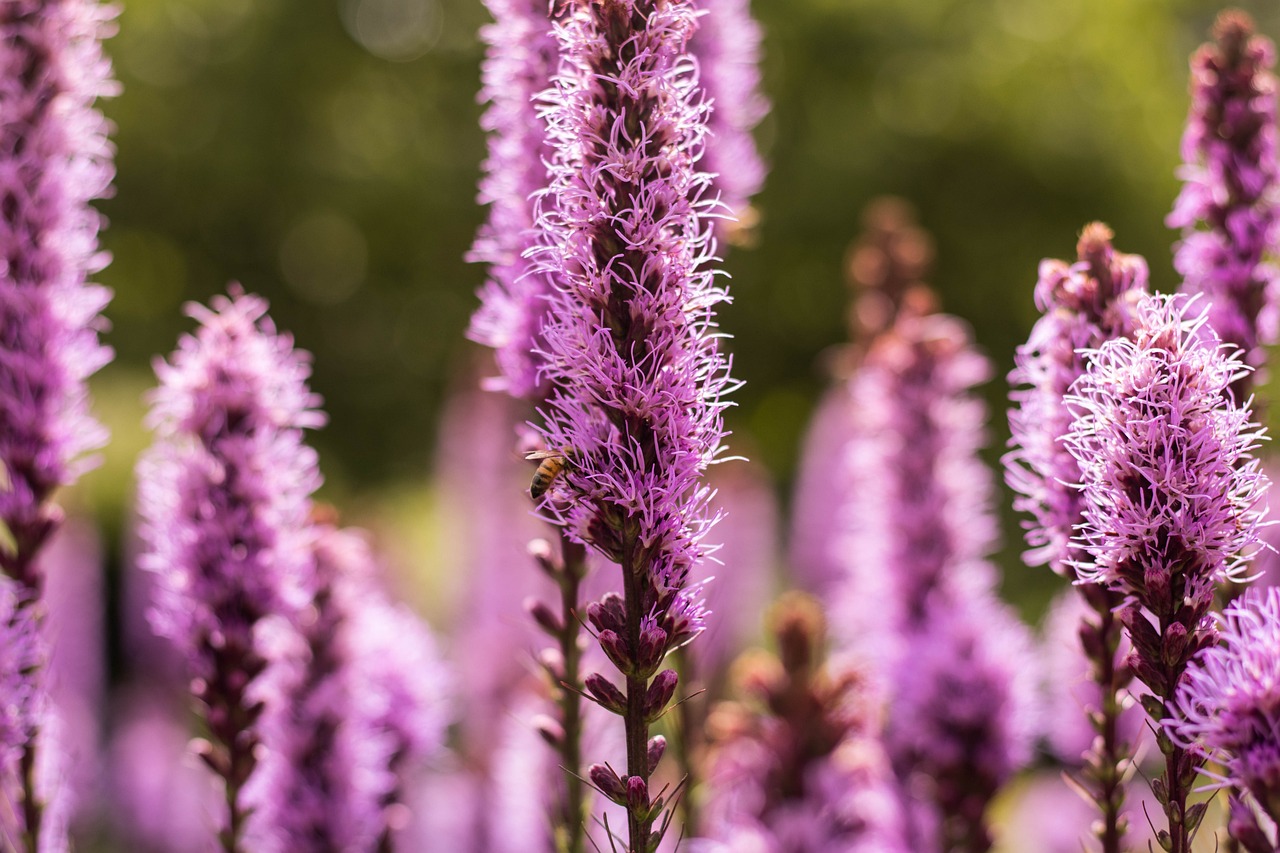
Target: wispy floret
{"x": 631, "y": 346}
{"x": 1172, "y": 503}
{"x": 225, "y": 499}
{"x": 1229, "y": 702}
{"x": 1229, "y": 207}
{"x": 1172, "y": 492}
{"x": 19, "y": 653}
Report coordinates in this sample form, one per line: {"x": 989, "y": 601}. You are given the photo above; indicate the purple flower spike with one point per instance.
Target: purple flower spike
{"x": 1084, "y": 304}
{"x": 1229, "y": 702}
{"x": 1228, "y": 208}
{"x": 1172, "y": 501}
{"x": 54, "y": 158}
{"x": 519, "y": 61}
{"x": 19, "y": 652}
{"x": 799, "y": 768}
{"x": 962, "y": 718}
{"x": 727, "y": 46}
{"x": 631, "y": 347}
{"x": 225, "y": 499}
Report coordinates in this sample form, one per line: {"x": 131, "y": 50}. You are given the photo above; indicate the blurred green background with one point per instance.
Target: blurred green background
{"x": 325, "y": 153}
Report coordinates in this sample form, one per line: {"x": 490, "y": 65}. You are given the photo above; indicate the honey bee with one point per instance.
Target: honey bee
{"x": 552, "y": 465}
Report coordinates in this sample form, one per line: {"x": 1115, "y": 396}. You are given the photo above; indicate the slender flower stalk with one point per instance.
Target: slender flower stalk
{"x": 1172, "y": 499}
{"x": 54, "y": 159}
{"x": 1084, "y": 304}
{"x": 1229, "y": 707}
{"x": 632, "y": 355}
{"x": 918, "y": 599}
{"x": 1229, "y": 207}
{"x": 886, "y": 268}
{"x": 797, "y": 766}
{"x": 225, "y": 498}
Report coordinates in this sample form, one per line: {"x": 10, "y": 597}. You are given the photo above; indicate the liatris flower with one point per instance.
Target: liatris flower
{"x": 919, "y": 518}
{"x": 632, "y": 355}
{"x": 1084, "y": 304}
{"x": 1229, "y": 701}
{"x": 803, "y": 772}
{"x": 519, "y": 62}
{"x": 727, "y": 46}
{"x": 20, "y": 652}
{"x": 918, "y": 585}
{"x": 1229, "y": 207}
{"x": 401, "y": 691}
{"x": 962, "y": 718}
{"x": 54, "y": 159}
{"x": 224, "y": 495}
{"x": 1172, "y": 499}
{"x": 886, "y": 268}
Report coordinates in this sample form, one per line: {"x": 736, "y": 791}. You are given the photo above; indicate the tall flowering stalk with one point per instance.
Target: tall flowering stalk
{"x": 1229, "y": 207}
{"x": 632, "y": 354}
{"x": 886, "y": 269}
{"x": 225, "y": 499}
{"x": 1084, "y": 304}
{"x": 918, "y": 598}
{"x": 797, "y": 766}
{"x": 1172, "y": 498}
{"x": 1229, "y": 710}
{"x": 54, "y": 159}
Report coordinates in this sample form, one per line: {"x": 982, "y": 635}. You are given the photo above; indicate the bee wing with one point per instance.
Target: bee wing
{"x": 543, "y": 454}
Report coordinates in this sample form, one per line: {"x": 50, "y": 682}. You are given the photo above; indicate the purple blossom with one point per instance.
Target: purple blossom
{"x": 54, "y": 159}
{"x": 1229, "y": 702}
{"x": 797, "y": 767}
{"x": 919, "y": 517}
{"x": 1172, "y": 501}
{"x": 815, "y": 558}
{"x": 401, "y": 692}
{"x": 1084, "y": 304}
{"x": 20, "y": 652}
{"x": 727, "y": 47}
{"x": 962, "y": 721}
{"x": 631, "y": 350}
{"x": 1172, "y": 493}
{"x": 225, "y": 499}
{"x": 917, "y": 599}
{"x": 520, "y": 57}
{"x": 1227, "y": 209}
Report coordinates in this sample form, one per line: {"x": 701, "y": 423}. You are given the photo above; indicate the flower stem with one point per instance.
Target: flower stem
{"x": 571, "y": 834}
{"x": 636, "y": 720}
{"x": 1107, "y": 759}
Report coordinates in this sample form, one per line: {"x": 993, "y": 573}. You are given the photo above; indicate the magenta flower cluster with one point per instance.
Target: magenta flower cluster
{"x": 54, "y": 159}
{"x": 1229, "y": 702}
{"x": 1172, "y": 491}
{"x": 1228, "y": 208}
{"x": 1084, "y": 304}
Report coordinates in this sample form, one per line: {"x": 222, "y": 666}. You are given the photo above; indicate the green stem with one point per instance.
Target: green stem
{"x": 571, "y": 834}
